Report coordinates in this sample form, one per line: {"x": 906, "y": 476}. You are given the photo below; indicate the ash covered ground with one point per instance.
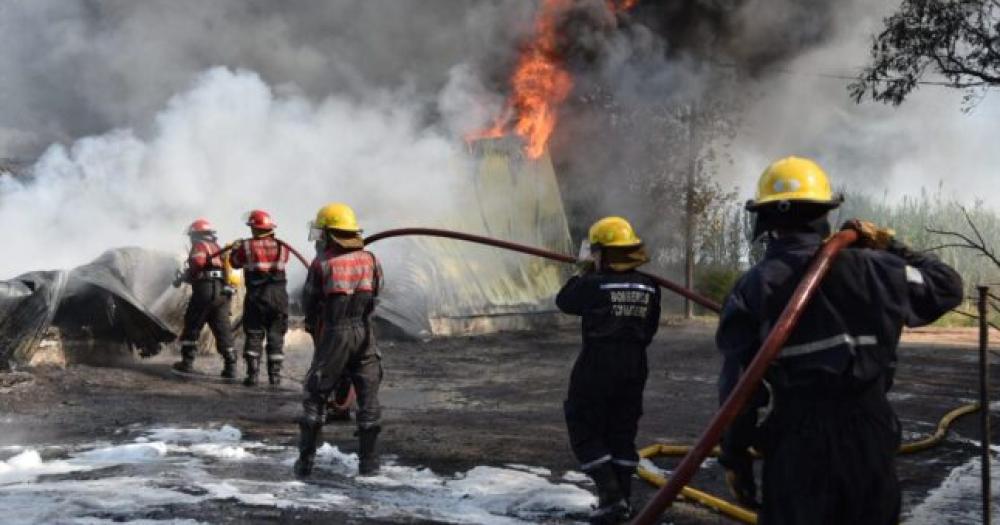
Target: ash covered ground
{"x": 473, "y": 434}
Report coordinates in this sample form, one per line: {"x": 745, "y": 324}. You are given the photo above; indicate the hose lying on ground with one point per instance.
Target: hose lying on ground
{"x": 801, "y": 299}
{"x": 744, "y": 515}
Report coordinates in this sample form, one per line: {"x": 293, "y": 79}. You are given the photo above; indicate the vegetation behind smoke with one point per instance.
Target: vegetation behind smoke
{"x": 724, "y": 249}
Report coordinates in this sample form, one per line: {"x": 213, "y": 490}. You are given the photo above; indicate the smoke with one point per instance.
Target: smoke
{"x": 801, "y": 107}
{"x": 137, "y": 130}
{"x": 228, "y": 144}
{"x": 81, "y": 67}
{"x": 165, "y": 110}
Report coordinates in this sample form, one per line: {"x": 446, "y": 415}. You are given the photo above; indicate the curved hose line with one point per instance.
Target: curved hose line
{"x": 538, "y": 252}
{"x": 747, "y": 516}
{"x": 941, "y": 432}
{"x": 729, "y": 509}
{"x": 291, "y": 249}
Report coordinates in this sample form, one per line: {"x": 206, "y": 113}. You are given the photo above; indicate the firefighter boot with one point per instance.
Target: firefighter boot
{"x": 253, "y": 368}
{"x": 186, "y": 364}
{"x": 228, "y": 363}
{"x": 368, "y": 463}
{"x": 611, "y": 505}
{"x": 310, "y": 433}
{"x": 624, "y": 475}
{"x": 274, "y": 371}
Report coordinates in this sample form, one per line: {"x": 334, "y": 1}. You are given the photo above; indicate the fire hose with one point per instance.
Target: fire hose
{"x": 750, "y": 379}
{"x": 706, "y": 445}
{"x": 748, "y": 383}
{"x": 531, "y": 250}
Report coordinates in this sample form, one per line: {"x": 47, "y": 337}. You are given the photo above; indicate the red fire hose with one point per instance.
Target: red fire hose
{"x": 749, "y": 380}
{"x": 530, "y": 250}
{"x": 229, "y": 247}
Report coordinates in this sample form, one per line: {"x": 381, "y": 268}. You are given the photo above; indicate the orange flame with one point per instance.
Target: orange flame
{"x": 540, "y": 83}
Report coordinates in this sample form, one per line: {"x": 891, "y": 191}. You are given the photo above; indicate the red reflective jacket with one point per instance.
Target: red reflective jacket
{"x": 204, "y": 256}
{"x": 262, "y": 255}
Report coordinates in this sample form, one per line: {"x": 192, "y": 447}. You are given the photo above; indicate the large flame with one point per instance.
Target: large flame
{"x": 540, "y": 83}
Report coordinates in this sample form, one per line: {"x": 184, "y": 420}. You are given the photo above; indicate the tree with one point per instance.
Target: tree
{"x": 957, "y": 39}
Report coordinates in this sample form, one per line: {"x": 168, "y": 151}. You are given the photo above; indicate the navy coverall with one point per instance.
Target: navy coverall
{"x": 830, "y": 439}
{"x": 621, "y": 313}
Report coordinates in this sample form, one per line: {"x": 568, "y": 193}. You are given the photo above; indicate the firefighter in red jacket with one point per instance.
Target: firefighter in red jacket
{"x": 210, "y": 296}
{"x": 263, "y": 259}
{"x": 339, "y": 299}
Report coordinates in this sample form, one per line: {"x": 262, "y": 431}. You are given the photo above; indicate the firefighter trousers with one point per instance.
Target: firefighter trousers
{"x": 208, "y": 305}
{"x": 604, "y": 404}
{"x": 347, "y": 348}
{"x": 831, "y": 462}
{"x": 265, "y": 318}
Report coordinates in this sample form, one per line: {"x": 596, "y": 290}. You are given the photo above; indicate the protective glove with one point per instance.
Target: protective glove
{"x": 870, "y": 235}
{"x": 585, "y": 266}
{"x": 178, "y": 279}
{"x": 741, "y": 483}
{"x": 228, "y": 291}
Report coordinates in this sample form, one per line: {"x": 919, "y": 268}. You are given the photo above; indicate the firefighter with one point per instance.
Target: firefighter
{"x": 339, "y": 299}
{"x": 210, "y": 295}
{"x": 830, "y": 436}
{"x": 265, "y": 309}
{"x": 338, "y": 408}
{"x": 621, "y": 313}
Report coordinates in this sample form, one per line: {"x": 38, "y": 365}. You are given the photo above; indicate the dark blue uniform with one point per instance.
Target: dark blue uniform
{"x": 621, "y": 313}
{"x": 830, "y": 439}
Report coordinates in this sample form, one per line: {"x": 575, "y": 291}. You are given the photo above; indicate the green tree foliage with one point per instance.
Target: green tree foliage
{"x": 956, "y": 39}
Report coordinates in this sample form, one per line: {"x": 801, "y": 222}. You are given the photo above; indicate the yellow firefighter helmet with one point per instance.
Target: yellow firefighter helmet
{"x": 793, "y": 180}
{"x": 336, "y": 216}
{"x": 613, "y": 232}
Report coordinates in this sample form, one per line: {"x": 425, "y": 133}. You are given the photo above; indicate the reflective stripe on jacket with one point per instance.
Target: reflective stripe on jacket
{"x": 199, "y": 260}
{"x": 349, "y": 273}
{"x": 261, "y": 255}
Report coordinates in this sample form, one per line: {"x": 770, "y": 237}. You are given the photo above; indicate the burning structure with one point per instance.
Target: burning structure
{"x": 447, "y": 288}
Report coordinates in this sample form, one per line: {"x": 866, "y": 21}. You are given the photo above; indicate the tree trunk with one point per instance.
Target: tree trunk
{"x": 689, "y": 211}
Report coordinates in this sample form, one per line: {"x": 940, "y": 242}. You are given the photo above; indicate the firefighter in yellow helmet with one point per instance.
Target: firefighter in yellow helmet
{"x": 830, "y": 440}
{"x": 339, "y": 300}
{"x": 620, "y": 308}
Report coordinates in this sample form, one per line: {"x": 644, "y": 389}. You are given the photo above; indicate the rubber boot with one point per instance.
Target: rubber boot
{"x": 368, "y": 463}
{"x": 310, "y": 434}
{"x": 274, "y": 372}
{"x": 186, "y": 364}
{"x": 228, "y": 363}
{"x": 611, "y": 505}
{"x": 253, "y": 369}
{"x": 624, "y": 475}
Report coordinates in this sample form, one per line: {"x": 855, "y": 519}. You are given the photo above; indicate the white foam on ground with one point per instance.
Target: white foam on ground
{"x": 188, "y": 436}
{"x": 958, "y": 498}
{"x": 28, "y": 465}
{"x": 121, "y": 454}
{"x": 187, "y": 467}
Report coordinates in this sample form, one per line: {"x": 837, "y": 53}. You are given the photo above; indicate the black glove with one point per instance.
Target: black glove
{"x": 740, "y": 480}
{"x": 228, "y": 291}
{"x": 178, "y": 279}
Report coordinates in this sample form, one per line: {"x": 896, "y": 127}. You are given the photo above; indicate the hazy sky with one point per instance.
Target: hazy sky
{"x": 871, "y": 147}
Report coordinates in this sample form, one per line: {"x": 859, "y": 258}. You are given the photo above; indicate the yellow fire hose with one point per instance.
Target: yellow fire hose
{"x": 743, "y": 515}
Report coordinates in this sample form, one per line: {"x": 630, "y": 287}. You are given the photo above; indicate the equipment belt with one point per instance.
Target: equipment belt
{"x": 209, "y": 274}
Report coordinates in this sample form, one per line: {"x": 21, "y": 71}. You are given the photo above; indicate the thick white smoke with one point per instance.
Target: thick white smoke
{"x": 870, "y": 148}
{"x": 228, "y": 144}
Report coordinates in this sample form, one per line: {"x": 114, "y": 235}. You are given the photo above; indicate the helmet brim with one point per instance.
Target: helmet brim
{"x": 834, "y": 202}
